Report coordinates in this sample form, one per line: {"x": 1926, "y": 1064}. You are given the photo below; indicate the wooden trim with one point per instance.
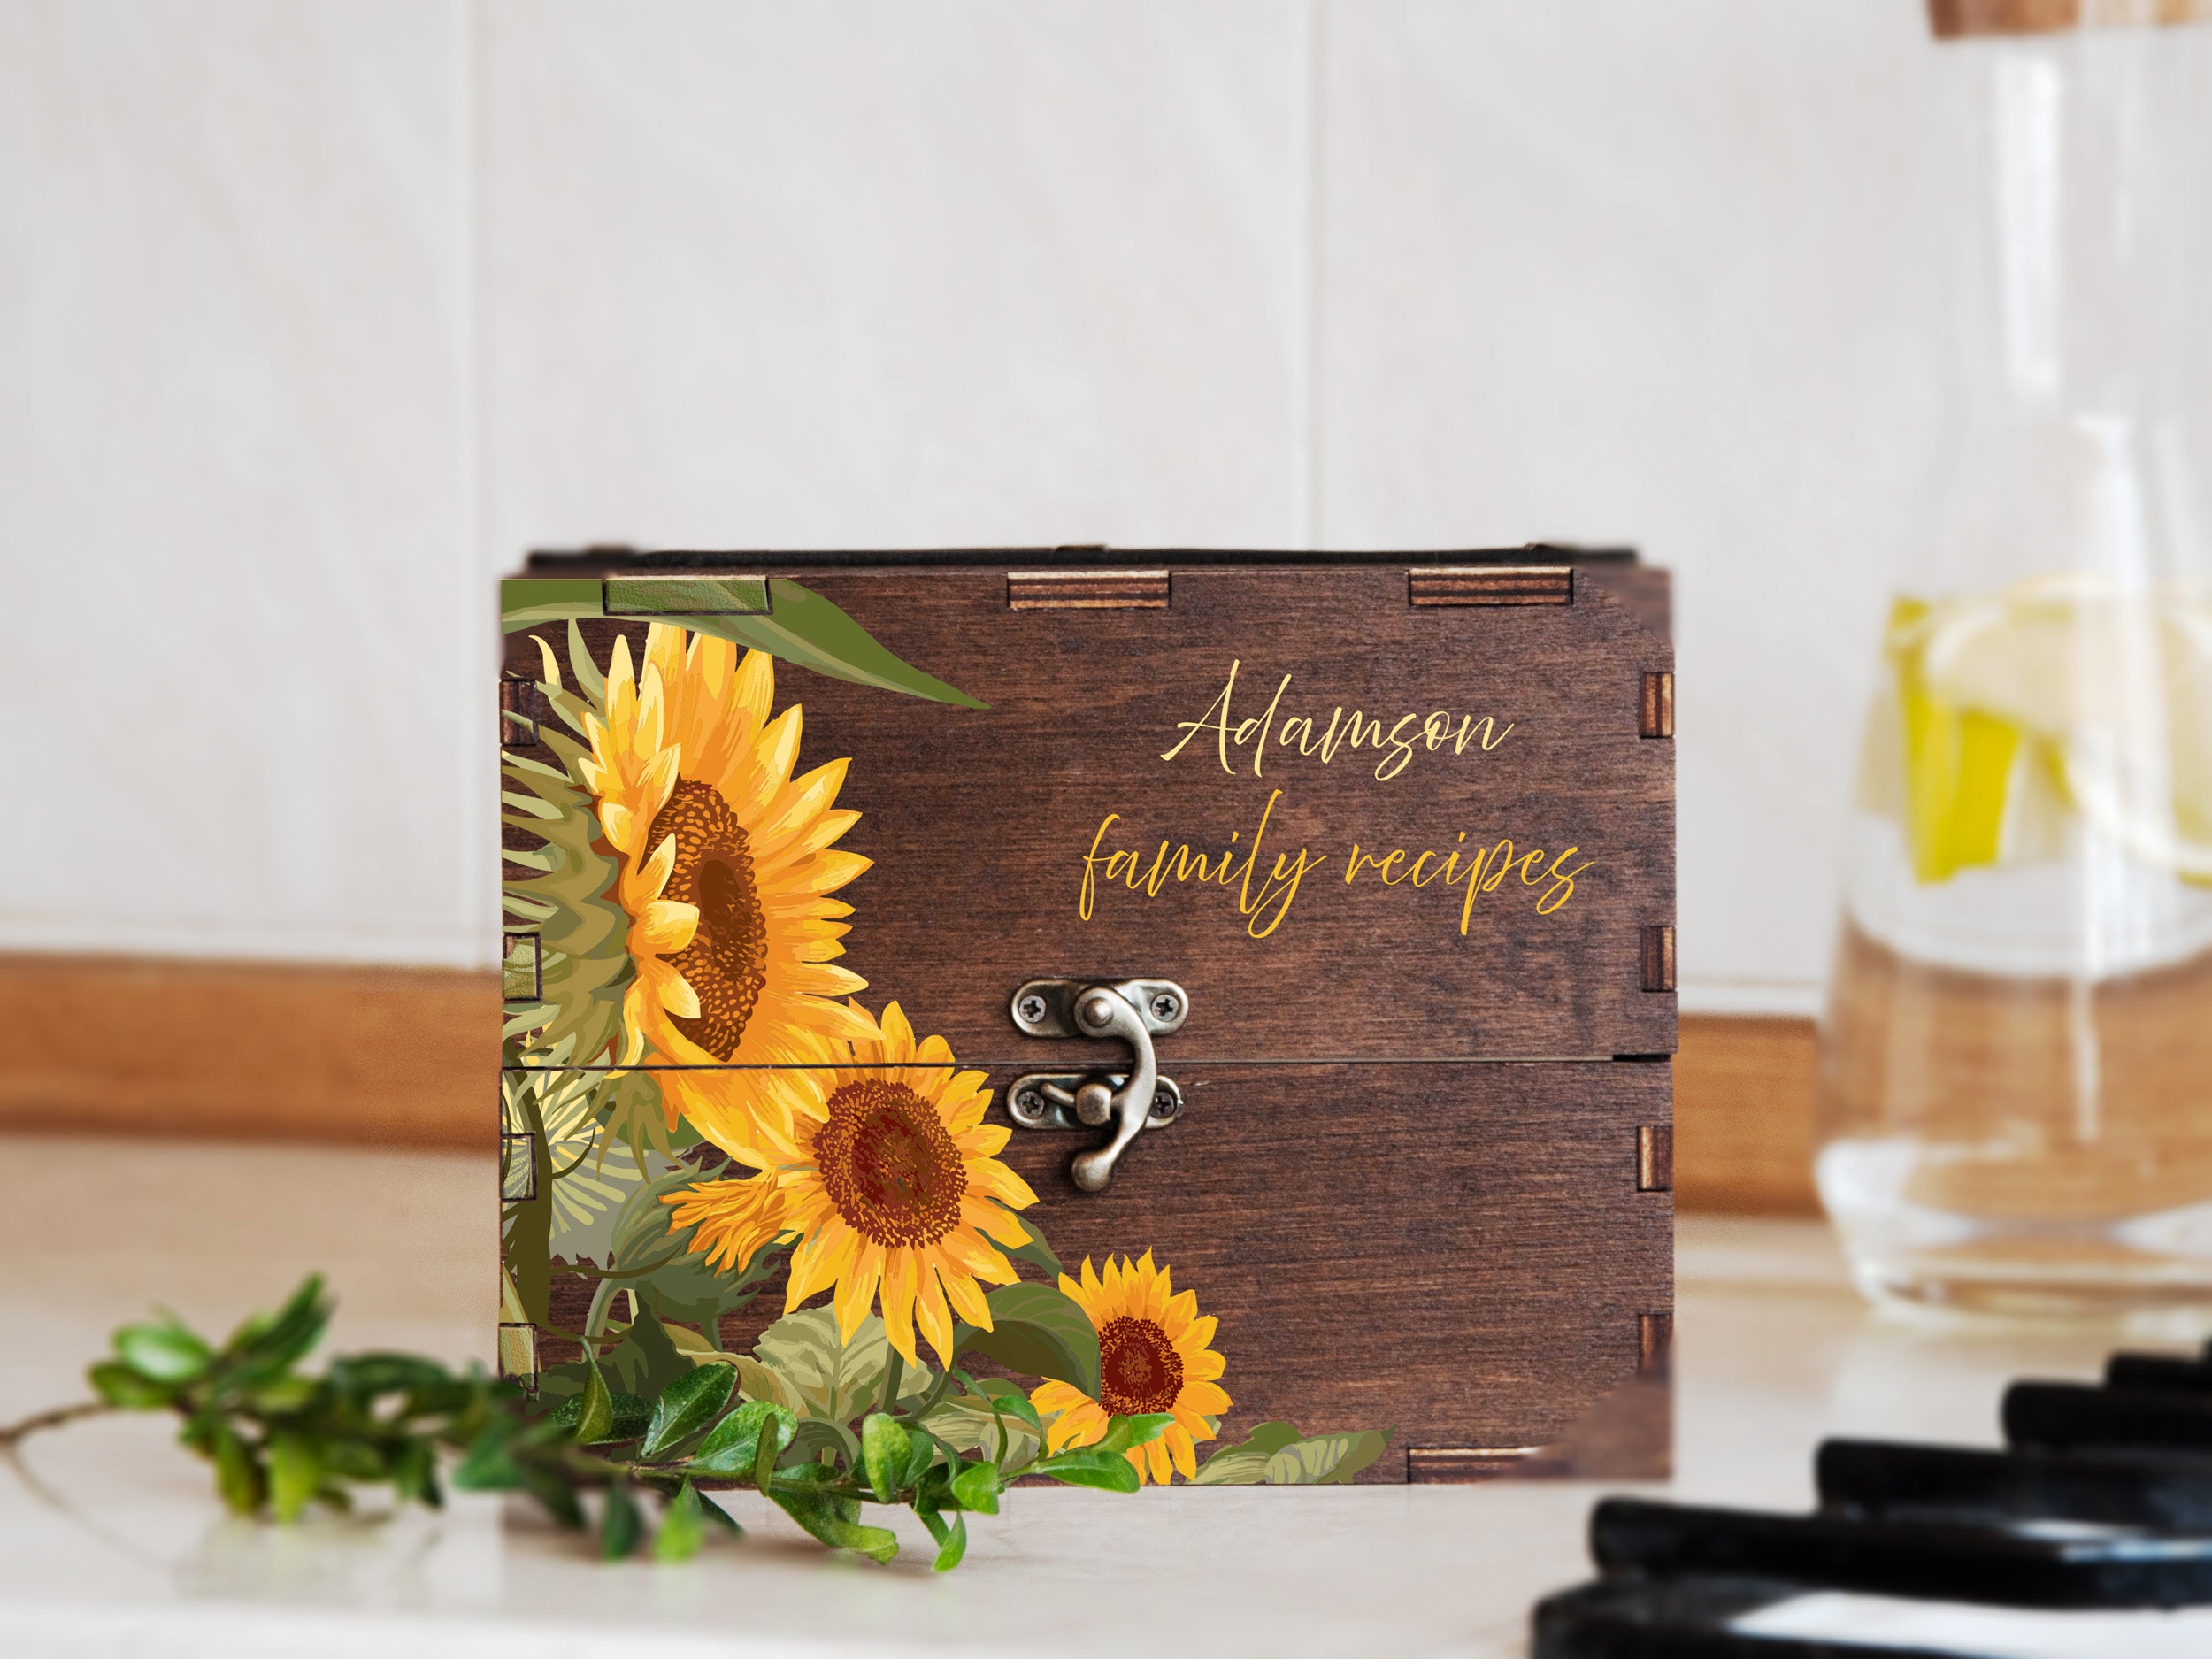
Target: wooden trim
{"x": 1743, "y": 1116}
{"x": 405, "y": 1056}
{"x": 396, "y": 1056}
{"x": 1491, "y": 585}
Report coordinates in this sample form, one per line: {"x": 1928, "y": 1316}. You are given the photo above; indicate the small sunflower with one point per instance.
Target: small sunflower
{"x": 890, "y": 1179}
{"x": 1152, "y": 1356}
{"x": 727, "y": 866}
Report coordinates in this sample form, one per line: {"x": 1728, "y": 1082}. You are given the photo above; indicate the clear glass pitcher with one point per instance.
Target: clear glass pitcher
{"x": 2017, "y": 1057}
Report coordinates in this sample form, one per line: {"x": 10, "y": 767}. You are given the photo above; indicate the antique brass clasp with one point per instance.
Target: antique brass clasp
{"x": 1136, "y": 1011}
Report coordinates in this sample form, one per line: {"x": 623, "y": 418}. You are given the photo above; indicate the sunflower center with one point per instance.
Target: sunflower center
{"x": 726, "y": 961}
{"x": 1139, "y": 1370}
{"x": 889, "y": 1163}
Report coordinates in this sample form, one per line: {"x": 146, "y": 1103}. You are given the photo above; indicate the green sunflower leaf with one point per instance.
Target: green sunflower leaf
{"x": 1040, "y": 1331}
{"x": 832, "y": 1380}
{"x": 1036, "y": 1250}
{"x": 1275, "y": 1455}
{"x": 801, "y": 627}
{"x": 804, "y": 628}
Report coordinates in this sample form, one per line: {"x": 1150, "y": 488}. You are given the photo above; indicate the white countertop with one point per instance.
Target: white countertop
{"x": 1773, "y": 1351}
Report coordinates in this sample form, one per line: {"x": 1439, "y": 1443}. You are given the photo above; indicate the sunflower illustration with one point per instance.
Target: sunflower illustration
{"x": 890, "y": 1180}
{"x": 727, "y": 865}
{"x": 1153, "y": 1356}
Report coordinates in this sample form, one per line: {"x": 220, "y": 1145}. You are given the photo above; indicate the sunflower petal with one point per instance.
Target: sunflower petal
{"x": 664, "y": 927}
{"x": 898, "y": 1276}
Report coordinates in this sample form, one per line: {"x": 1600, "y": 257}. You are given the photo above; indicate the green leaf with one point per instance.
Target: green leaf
{"x": 524, "y": 601}
{"x": 1040, "y": 1331}
{"x": 731, "y": 1449}
{"x": 819, "y": 1514}
{"x": 884, "y": 1449}
{"x": 295, "y": 1473}
{"x": 1325, "y": 1460}
{"x": 1126, "y": 1433}
{"x": 121, "y": 1385}
{"x": 952, "y": 1538}
{"x": 489, "y": 1465}
{"x": 1275, "y": 1454}
{"x": 238, "y": 1475}
{"x": 977, "y": 1487}
{"x": 621, "y": 1525}
{"x": 971, "y": 1423}
{"x": 633, "y": 1413}
{"x": 1087, "y": 1466}
{"x": 558, "y": 1497}
{"x": 716, "y": 1513}
{"x": 645, "y": 1362}
{"x": 164, "y": 1353}
{"x": 801, "y": 627}
{"x": 263, "y": 1347}
{"x": 415, "y": 1474}
{"x": 595, "y": 1417}
{"x": 1036, "y": 1250}
{"x": 825, "y": 1378}
{"x": 765, "y": 1451}
{"x": 1009, "y": 1398}
{"x": 805, "y": 628}
{"x": 755, "y": 1381}
{"x": 683, "y": 1528}
{"x": 688, "y": 1405}
{"x": 816, "y": 1435}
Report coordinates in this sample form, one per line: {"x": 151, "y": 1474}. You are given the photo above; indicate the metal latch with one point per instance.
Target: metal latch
{"x": 1133, "y": 1100}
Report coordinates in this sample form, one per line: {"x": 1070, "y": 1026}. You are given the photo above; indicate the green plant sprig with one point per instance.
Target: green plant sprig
{"x": 281, "y": 1440}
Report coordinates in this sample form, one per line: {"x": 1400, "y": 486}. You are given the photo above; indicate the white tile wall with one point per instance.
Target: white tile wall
{"x": 314, "y": 317}
{"x": 1662, "y": 274}
{"x": 243, "y": 620}
{"x": 888, "y": 273}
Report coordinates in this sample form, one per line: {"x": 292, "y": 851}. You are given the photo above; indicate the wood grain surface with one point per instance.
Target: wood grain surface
{"x": 285, "y": 1051}
{"x": 1460, "y": 1249}
{"x": 980, "y": 821}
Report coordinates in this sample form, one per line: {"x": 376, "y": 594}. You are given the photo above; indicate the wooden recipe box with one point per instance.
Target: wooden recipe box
{"x": 1311, "y": 916}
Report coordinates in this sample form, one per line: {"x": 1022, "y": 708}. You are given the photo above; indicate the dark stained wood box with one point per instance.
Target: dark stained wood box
{"x": 1420, "y": 1167}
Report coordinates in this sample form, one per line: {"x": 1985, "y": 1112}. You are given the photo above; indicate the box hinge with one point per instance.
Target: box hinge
{"x": 1087, "y": 590}
{"x": 1656, "y": 957}
{"x": 1655, "y": 1159}
{"x": 1655, "y": 714}
{"x": 1491, "y": 585}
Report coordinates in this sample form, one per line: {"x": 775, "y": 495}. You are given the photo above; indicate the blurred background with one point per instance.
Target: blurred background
{"x": 314, "y": 319}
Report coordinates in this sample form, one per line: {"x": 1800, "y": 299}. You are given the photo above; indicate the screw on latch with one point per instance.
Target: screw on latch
{"x": 1164, "y": 1006}
{"x": 1031, "y": 1008}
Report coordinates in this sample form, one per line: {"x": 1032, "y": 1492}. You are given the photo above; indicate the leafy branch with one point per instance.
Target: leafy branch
{"x": 280, "y": 1439}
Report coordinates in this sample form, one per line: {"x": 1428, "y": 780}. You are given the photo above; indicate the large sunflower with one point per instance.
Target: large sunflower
{"x": 728, "y": 866}
{"x": 1152, "y": 1356}
{"x": 890, "y": 1179}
